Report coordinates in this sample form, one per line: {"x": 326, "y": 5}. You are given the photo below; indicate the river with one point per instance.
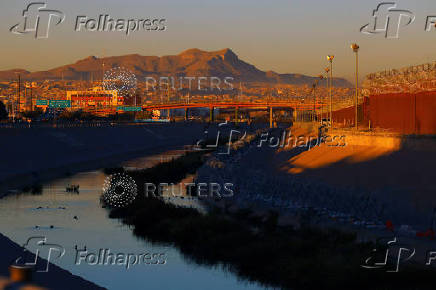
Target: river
{"x": 78, "y": 221}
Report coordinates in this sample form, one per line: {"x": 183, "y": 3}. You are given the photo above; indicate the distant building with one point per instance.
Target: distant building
{"x": 4, "y": 100}
{"x": 96, "y": 98}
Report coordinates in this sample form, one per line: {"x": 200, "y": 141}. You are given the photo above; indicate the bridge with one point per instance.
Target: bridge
{"x": 296, "y": 106}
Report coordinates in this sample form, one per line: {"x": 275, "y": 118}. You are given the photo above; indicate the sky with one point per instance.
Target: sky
{"x": 286, "y": 36}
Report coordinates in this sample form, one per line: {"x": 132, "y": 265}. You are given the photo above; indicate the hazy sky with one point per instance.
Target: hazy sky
{"x": 291, "y": 36}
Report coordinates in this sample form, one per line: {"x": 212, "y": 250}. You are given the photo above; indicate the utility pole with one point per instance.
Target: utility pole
{"x": 102, "y": 74}
{"x": 327, "y": 70}
{"x": 240, "y": 91}
{"x": 25, "y": 96}
{"x": 186, "y": 109}
{"x": 355, "y": 48}
{"x": 314, "y": 101}
{"x": 31, "y": 97}
{"x": 168, "y": 111}
{"x": 19, "y": 92}
{"x": 330, "y": 59}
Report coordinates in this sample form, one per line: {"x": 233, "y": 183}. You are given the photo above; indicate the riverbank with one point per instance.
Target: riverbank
{"x": 361, "y": 187}
{"x": 32, "y": 156}
{"x": 89, "y": 157}
{"x": 366, "y": 183}
{"x": 35, "y": 155}
{"x": 256, "y": 247}
{"x": 56, "y": 278}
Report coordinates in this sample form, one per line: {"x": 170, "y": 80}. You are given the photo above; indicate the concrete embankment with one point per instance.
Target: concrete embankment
{"x": 372, "y": 177}
{"x": 33, "y": 155}
{"x": 398, "y": 169}
{"x": 388, "y": 140}
{"x": 55, "y": 278}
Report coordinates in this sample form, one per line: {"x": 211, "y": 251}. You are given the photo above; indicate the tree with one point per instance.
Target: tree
{"x": 3, "y": 112}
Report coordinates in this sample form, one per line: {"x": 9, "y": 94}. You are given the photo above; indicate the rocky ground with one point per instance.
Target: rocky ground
{"x": 324, "y": 187}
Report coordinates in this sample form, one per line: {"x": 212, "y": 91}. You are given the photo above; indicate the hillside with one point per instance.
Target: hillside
{"x": 192, "y": 62}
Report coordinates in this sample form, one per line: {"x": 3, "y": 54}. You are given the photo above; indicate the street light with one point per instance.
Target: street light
{"x": 355, "y": 48}
{"x": 18, "y": 107}
{"x": 314, "y": 101}
{"x": 321, "y": 77}
{"x": 327, "y": 70}
{"x": 330, "y": 59}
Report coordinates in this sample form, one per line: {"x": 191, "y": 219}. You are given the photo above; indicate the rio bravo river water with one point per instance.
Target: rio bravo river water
{"x": 78, "y": 221}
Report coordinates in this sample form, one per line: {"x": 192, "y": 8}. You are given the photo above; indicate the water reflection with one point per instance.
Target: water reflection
{"x": 78, "y": 220}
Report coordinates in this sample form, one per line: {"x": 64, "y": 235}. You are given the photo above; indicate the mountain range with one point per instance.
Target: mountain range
{"x": 191, "y": 63}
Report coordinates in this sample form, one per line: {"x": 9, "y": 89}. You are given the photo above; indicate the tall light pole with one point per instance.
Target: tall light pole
{"x": 321, "y": 77}
{"x": 314, "y": 101}
{"x": 330, "y": 59}
{"x": 31, "y": 96}
{"x": 355, "y": 48}
{"x": 327, "y": 70}
{"x": 18, "y": 98}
